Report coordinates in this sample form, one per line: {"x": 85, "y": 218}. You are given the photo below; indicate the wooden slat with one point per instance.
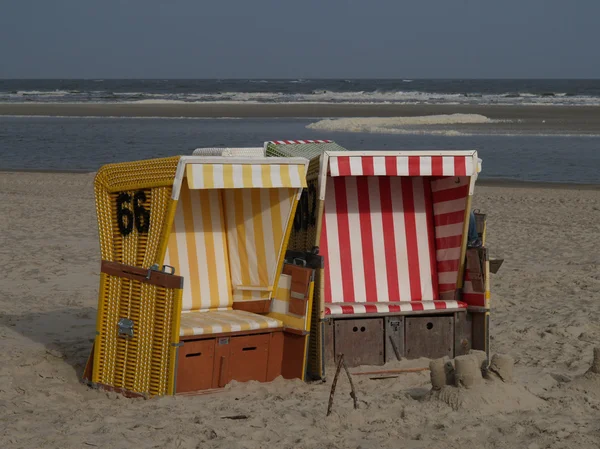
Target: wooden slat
{"x": 140, "y": 274}
{"x": 229, "y": 334}
{"x": 259, "y": 306}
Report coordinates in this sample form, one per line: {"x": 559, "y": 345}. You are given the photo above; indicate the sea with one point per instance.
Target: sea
{"x": 86, "y": 143}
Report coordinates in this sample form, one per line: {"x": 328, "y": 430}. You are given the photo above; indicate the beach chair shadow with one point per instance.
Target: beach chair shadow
{"x": 67, "y": 333}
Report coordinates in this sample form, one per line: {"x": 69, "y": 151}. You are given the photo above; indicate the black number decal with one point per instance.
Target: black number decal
{"x": 124, "y": 215}
{"x": 300, "y": 218}
{"x": 312, "y": 219}
{"x": 306, "y": 216}
{"x": 140, "y": 215}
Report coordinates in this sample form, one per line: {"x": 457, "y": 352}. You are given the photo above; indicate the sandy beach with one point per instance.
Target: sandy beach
{"x": 545, "y": 314}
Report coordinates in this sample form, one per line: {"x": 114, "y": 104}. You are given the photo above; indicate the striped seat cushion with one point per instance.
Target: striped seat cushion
{"x": 217, "y": 322}
{"x": 342, "y": 308}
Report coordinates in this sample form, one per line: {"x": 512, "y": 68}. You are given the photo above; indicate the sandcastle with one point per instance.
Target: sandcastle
{"x": 473, "y": 382}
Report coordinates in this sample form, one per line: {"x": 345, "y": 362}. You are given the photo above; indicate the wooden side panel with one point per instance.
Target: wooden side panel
{"x": 430, "y": 337}
{"x": 260, "y": 306}
{"x": 481, "y": 331}
{"x": 294, "y": 349}
{"x": 360, "y": 340}
{"x": 475, "y": 268}
{"x": 463, "y": 333}
{"x": 195, "y": 365}
{"x": 394, "y": 338}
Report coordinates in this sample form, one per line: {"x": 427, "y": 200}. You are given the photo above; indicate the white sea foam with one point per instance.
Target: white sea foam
{"x": 316, "y": 96}
{"x": 401, "y": 125}
{"x": 40, "y": 93}
{"x": 155, "y": 101}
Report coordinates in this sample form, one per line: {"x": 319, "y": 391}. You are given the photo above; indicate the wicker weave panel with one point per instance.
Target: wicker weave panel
{"x": 307, "y": 150}
{"x": 137, "y": 174}
{"x": 143, "y": 363}
{"x": 155, "y": 179}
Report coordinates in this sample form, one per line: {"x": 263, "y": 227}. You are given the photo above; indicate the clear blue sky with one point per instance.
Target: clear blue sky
{"x": 305, "y": 38}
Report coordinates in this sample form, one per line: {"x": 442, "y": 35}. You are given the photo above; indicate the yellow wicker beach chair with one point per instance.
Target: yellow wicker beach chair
{"x": 192, "y": 293}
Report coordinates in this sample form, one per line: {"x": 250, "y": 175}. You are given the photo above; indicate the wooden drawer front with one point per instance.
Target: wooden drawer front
{"x": 430, "y": 337}
{"x": 361, "y": 341}
{"x": 249, "y": 357}
{"x": 195, "y": 365}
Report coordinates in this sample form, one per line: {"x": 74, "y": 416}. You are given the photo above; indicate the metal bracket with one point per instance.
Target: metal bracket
{"x": 151, "y": 269}
{"x": 125, "y": 327}
{"x": 172, "y": 271}
{"x": 155, "y": 267}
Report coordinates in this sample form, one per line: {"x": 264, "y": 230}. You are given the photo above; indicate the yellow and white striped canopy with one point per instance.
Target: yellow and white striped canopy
{"x": 228, "y": 233}
{"x": 239, "y": 176}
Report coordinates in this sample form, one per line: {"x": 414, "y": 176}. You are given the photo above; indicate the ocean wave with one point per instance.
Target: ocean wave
{"x": 401, "y": 125}
{"x": 314, "y": 96}
{"x": 41, "y": 93}
{"x": 155, "y": 101}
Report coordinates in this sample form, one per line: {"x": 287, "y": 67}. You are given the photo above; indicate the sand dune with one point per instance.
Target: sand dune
{"x": 546, "y": 314}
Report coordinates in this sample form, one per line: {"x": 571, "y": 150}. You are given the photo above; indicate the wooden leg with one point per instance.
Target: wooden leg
{"x": 328, "y": 343}
{"x": 481, "y": 331}
{"x": 294, "y": 350}
{"x": 463, "y": 333}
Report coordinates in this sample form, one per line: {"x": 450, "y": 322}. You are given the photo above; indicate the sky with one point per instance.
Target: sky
{"x": 300, "y": 39}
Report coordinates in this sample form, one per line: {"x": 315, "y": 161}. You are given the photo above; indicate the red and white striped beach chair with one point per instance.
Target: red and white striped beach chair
{"x": 392, "y": 228}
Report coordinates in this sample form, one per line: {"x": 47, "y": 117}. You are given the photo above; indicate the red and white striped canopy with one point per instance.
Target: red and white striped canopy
{"x": 297, "y": 142}
{"x": 403, "y": 164}
{"x": 393, "y": 229}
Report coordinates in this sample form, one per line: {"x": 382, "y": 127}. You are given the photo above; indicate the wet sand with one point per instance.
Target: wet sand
{"x": 588, "y": 114}
{"x": 569, "y": 120}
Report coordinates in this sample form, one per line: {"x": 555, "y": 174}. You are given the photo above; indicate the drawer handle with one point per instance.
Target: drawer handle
{"x": 194, "y": 354}
{"x": 249, "y": 348}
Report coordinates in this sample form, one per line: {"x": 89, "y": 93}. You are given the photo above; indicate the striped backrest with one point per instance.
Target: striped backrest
{"x": 377, "y": 239}
{"x": 231, "y": 224}
{"x": 257, "y": 220}
{"x": 197, "y": 248}
{"x": 449, "y": 196}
